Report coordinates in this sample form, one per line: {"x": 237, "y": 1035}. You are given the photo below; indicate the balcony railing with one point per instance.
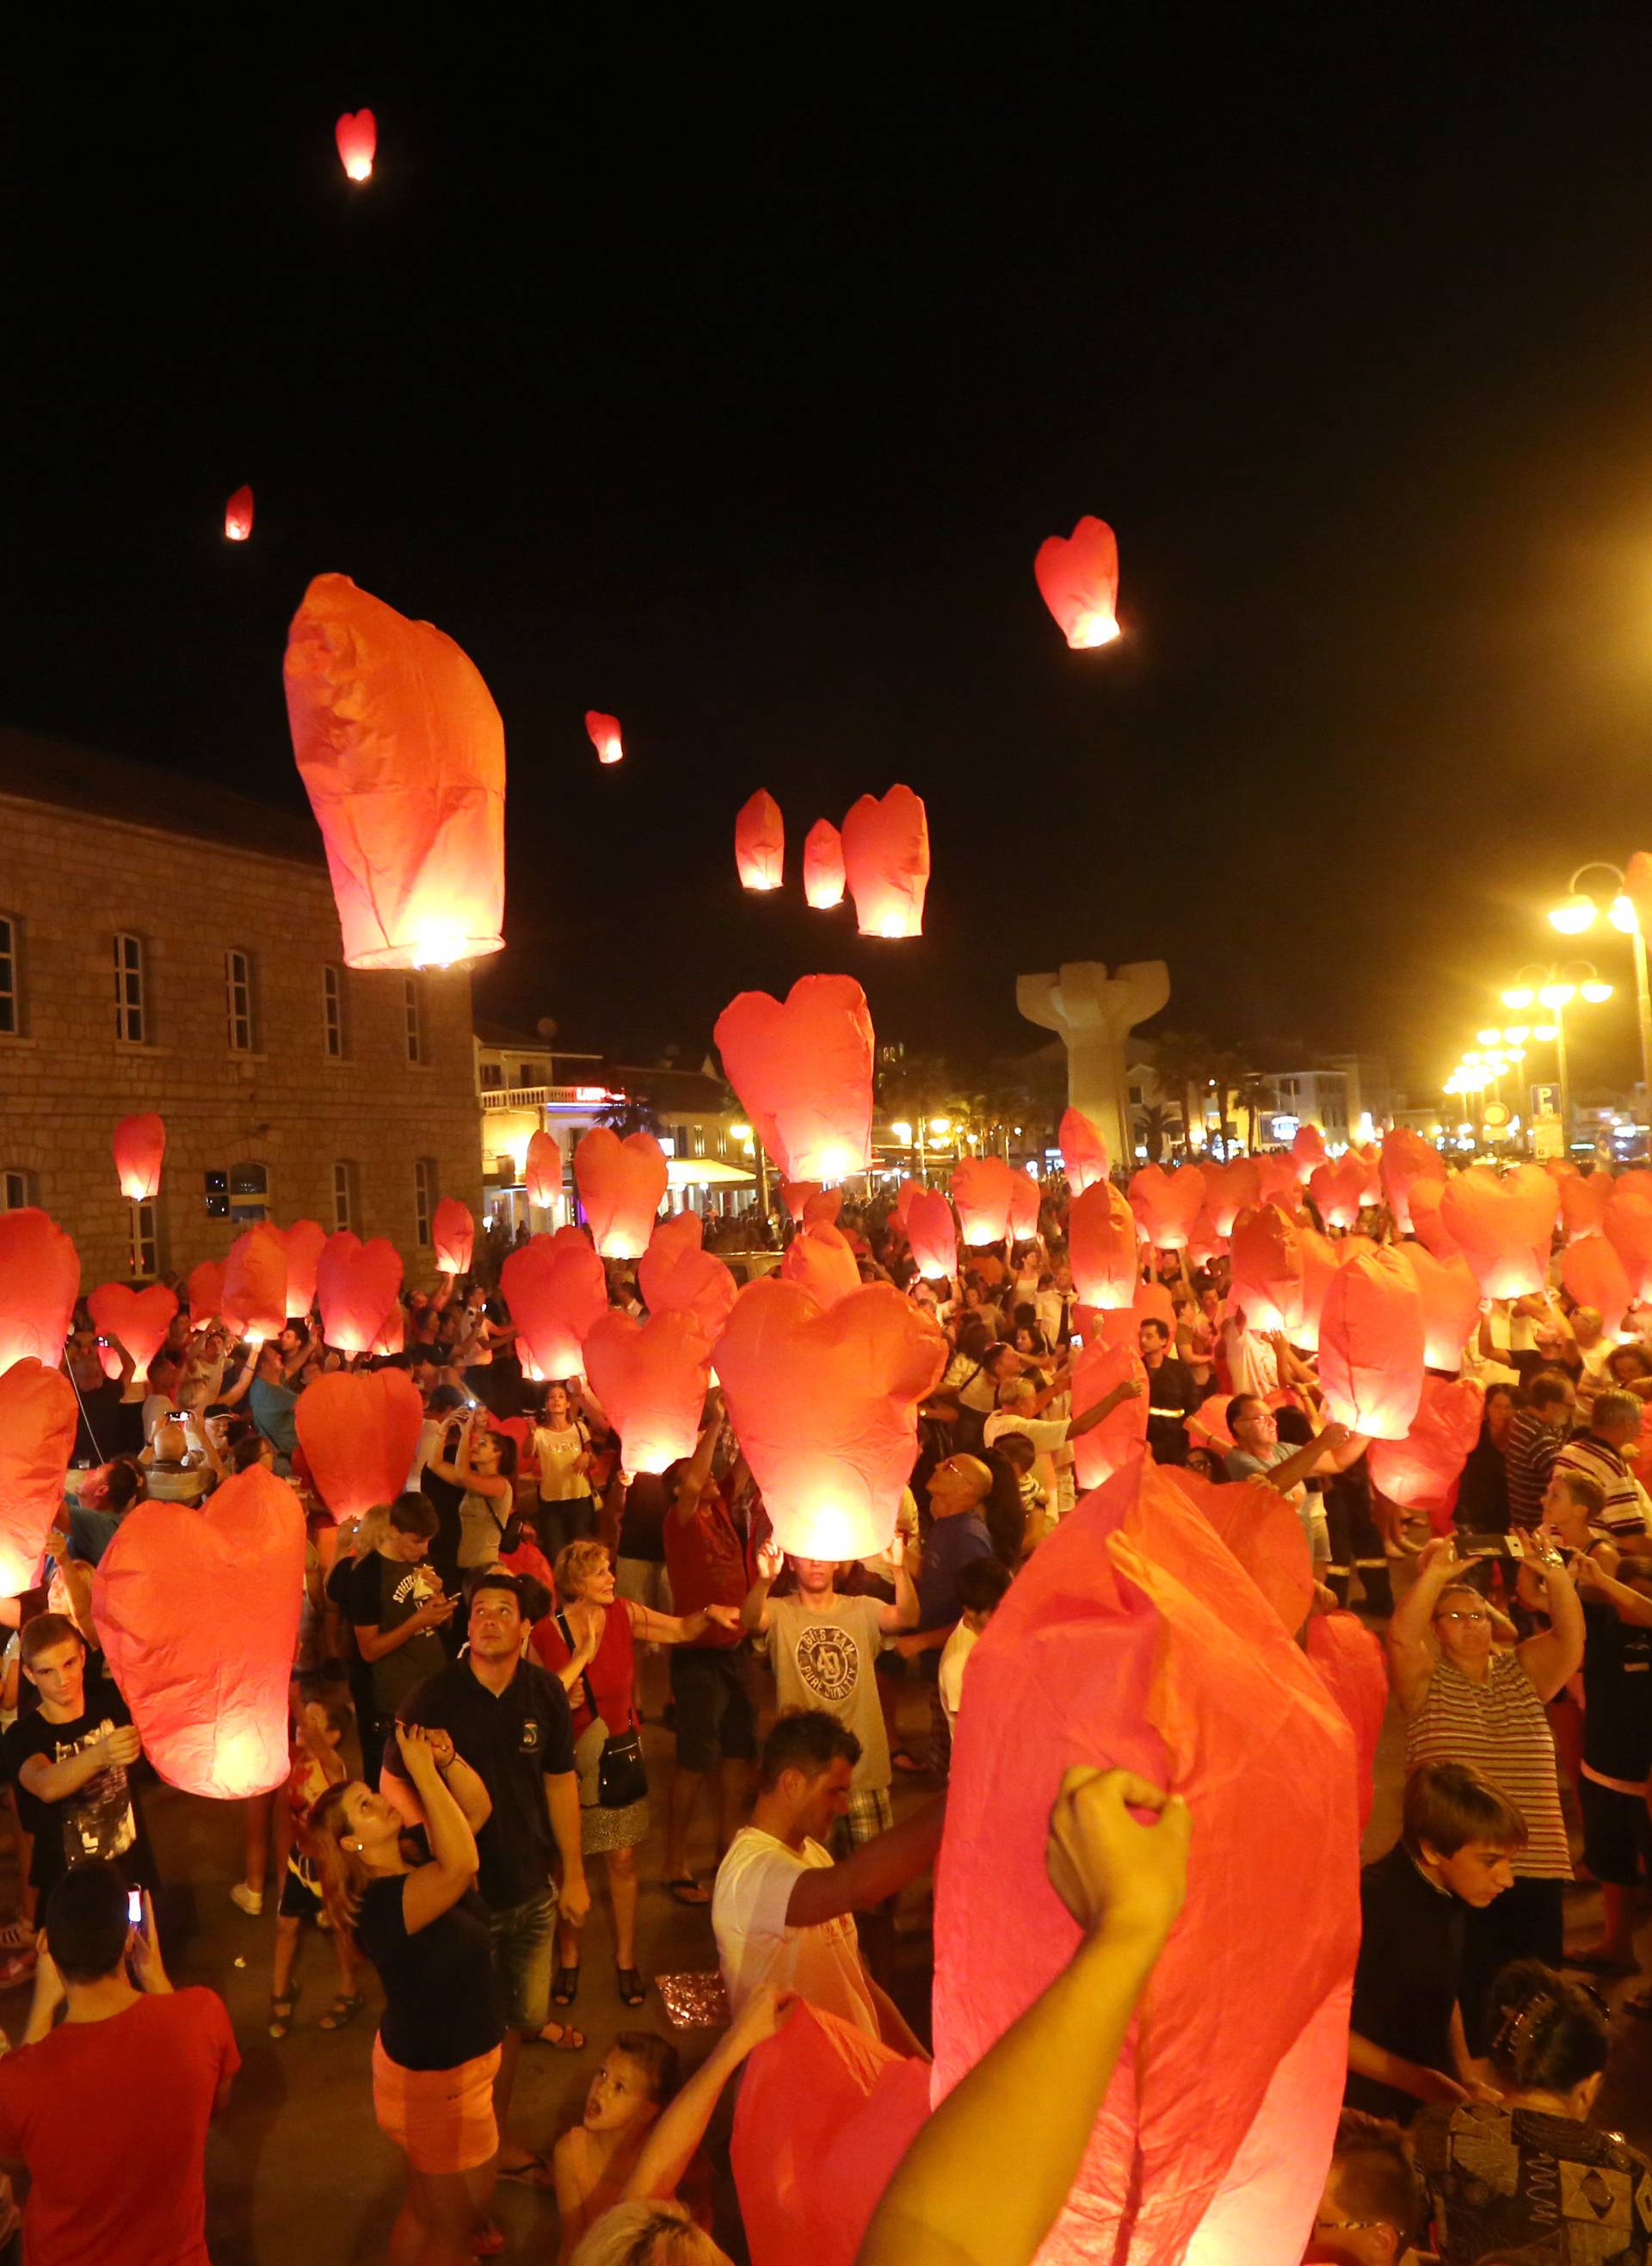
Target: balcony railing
{"x": 542, "y": 1097}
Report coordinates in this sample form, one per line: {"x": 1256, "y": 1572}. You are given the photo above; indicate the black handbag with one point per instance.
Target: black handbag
{"x": 622, "y": 1775}
{"x": 509, "y": 1529}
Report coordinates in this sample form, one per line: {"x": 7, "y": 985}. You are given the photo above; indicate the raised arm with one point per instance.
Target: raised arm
{"x": 1554, "y": 1655}
{"x": 903, "y": 1614}
{"x": 879, "y": 1868}
{"x": 681, "y": 2127}
{"x": 754, "y": 1614}
{"x": 434, "y": 1889}
{"x": 1411, "y": 1654}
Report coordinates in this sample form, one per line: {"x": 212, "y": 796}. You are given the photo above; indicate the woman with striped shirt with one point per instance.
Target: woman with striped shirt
{"x": 1467, "y": 1701}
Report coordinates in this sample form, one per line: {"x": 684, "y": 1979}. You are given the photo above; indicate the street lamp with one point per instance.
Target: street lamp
{"x": 1555, "y": 989}
{"x": 1598, "y": 889}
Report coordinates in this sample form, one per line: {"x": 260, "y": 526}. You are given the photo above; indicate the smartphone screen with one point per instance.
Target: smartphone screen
{"x": 135, "y": 1907}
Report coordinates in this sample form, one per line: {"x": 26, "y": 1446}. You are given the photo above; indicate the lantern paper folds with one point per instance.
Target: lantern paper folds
{"x": 1168, "y": 1203}
{"x": 651, "y": 1377}
{"x": 305, "y": 1240}
{"x": 604, "y": 736}
{"x": 1371, "y": 1343}
{"x": 37, "y": 1414}
{"x": 760, "y": 843}
{"x": 984, "y": 1189}
{"x": 139, "y": 1145}
{"x": 622, "y": 1185}
{"x": 139, "y": 1318}
{"x": 543, "y": 1171}
{"x": 1451, "y": 1304}
{"x": 453, "y": 1236}
{"x": 1504, "y": 1225}
{"x": 1079, "y": 576}
{"x": 821, "y": 1259}
{"x": 1084, "y": 1153}
{"x": 933, "y": 1235}
{"x": 803, "y": 1068}
{"x": 557, "y": 1290}
{"x": 1422, "y": 1470}
{"x": 676, "y": 1276}
{"x": 886, "y": 858}
{"x": 402, "y": 754}
{"x": 356, "y": 135}
{"x": 1101, "y": 1246}
{"x": 823, "y": 866}
{"x": 39, "y": 1282}
{"x": 357, "y": 1284}
{"x": 255, "y": 1282}
{"x": 359, "y": 1430}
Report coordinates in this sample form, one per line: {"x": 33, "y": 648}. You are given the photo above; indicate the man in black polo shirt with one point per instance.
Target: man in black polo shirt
{"x": 1172, "y": 1394}
{"x": 509, "y": 1720}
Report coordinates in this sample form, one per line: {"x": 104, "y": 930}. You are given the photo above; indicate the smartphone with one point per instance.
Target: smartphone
{"x": 135, "y": 1907}
{"x": 1494, "y": 1546}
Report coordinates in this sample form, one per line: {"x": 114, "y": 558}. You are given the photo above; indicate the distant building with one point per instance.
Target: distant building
{"x": 165, "y": 945}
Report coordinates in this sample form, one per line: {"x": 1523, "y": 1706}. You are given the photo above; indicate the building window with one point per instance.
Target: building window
{"x": 344, "y": 1207}
{"x": 413, "y": 1018}
{"x": 249, "y": 1193}
{"x": 332, "y": 1012}
{"x": 528, "y": 1077}
{"x": 492, "y": 1077}
{"x": 698, "y": 1149}
{"x": 143, "y": 1256}
{"x": 722, "y": 1140}
{"x": 424, "y": 1198}
{"x": 11, "y": 978}
{"x": 1135, "y": 1097}
{"x": 130, "y": 1009}
{"x": 237, "y": 1000}
{"x": 14, "y": 1189}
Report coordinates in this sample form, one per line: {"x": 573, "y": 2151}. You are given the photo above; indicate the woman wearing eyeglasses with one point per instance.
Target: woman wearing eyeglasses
{"x": 1468, "y": 1700}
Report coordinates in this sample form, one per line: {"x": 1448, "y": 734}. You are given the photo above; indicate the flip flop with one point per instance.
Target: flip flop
{"x": 909, "y": 1764}
{"x": 567, "y": 2040}
{"x": 686, "y": 1889}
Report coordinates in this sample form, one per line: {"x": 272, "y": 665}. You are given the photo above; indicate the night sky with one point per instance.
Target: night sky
{"x": 724, "y": 369}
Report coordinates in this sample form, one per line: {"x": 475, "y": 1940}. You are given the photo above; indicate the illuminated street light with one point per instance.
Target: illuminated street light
{"x": 1601, "y": 890}
{"x": 1576, "y": 915}
{"x": 1521, "y": 994}
{"x": 1557, "y": 995}
{"x": 902, "y": 1131}
{"x": 1622, "y": 915}
{"x": 940, "y": 1125}
{"x": 1596, "y": 994}
{"x": 1517, "y": 1033}
{"x": 1488, "y": 1038}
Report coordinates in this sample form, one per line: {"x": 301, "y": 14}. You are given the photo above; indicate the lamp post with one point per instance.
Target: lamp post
{"x": 1555, "y": 989}
{"x": 1609, "y": 896}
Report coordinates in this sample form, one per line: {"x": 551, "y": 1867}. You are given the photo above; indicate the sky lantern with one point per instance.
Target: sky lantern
{"x": 821, "y": 1259}
{"x": 604, "y": 735}
{"x": 932, "y": 1234}
{"x": 542, "y": 1170}
{"x": 1583, "y": 1202}
{"x": 402, "y": 754}
{"x": 359, "y": 1430}
{"x": 1628, "y": 1231}
{"x": 1084, "y": 1153}
{"x": 794, "y": 1194}
{"x": 824, "y": 1403}
{"x": 1406, "y": 1158}
{"x": 823, "y": 880}
{"x": 1101, "y": 1246}
{"x": 886, "y": 858}
{"x": 803, "y": 1068}
{"x": 1204, "y": 1243}
{"x": 305, "y": 1240}
{"x": 1503, "y": 1226}
{"x": 1276, "y": 1170}
{"x": 1078, "y": 577}
{"x": 1263, "y": 1532}
{"x": 139, "y": 1318}
{"x": 237, "y": 517}
{"x": 1229, "y": 1189}
{"x": 1024, "y": 1206}
{"x": 622, "y": 1185}
{"x": 392, "y": 1331}
{"x": 1371, "y": 1345}
{"x": 356, "y": 135}
{"x": 1307, "y": 1150}
{"x": 39, "y": 1282}
{"x": 675, "y": 1274}
{"x": 1594, "y": 1274}
{"x": 37, "y": 1414}
{"x": 197, "y": 1606}
{"x": 1349, "y": 1661}
{"x": 1152, "y": 1303}
{"x": 983, "y": 1189}
{"x": 1451, "y": 1304}
{"x": 1129, "y": 1641}
{"x": 139, "y": 1145}
{"x": 557, "y": 1290}
{"x": 453, "y": 1236}
{"x": 760, "y": 843}
{"x": 651, "y": 1378}
{"x": 822, "y": 1207}
{"x": 356, "y": 1285}
{"x": 1422, "y": 1470}
{"x": 903, "y": 1197}
{"x": 1321, "y": 1262}
{"x": 1338, "y": 1189}
{"x": 1167, "y": 1204}
{"x": 254, "y": 1294}
{"x": 1121, "y": 1438}
{"x": 1425, "y": 1198}
{"x": 1268, "y": 1268}
{"x": 205, "y": 1290}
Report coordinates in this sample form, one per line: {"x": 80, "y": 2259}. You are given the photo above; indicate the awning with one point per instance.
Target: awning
{"x": 706, "y": 1173}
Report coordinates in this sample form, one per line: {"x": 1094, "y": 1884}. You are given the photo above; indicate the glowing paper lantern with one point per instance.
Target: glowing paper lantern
{"x": 886, "y": 859}
{"x": 357, "y": 1284}
{"x": 1451, "y": 1304}
{"x": 39, "y": 1282}
{"x": 1422, "y": 1471}
{"x": 1338, "y": 1191}
{"x": 903, "y": 1197}
{"x": 1229, "y": 1189}
{"x": 359, "y": 1430}
{"x": 1628, "y": 1231}
{"x": 1084, "y": 1153}
{"x": 1406, "y": 1158}
{"x": 983, "y": 1189}
{"x": 1594, "y": 1274}
{"x": 139, "y": 1145}
{"x": 197, "y": 1610}
{"x": 1101, "y": 1246}
{"x": 1504, "y": 1226}
{"x": 1152, "y": 1303}
{"x": 205, "y": 1289}
{"x": 1276, "y": 1170}
{"x": 557, "y": 1290}
{"x": 37, "y": 1414}
{"x": 651, "y": 1377}
{"x": 821, "y": 1259}
{"x": 1204, "y": 1242}
{"x": 1372, "y": 1346}
{"x": 1078, "y": 577}
{"x": 825, "y": 1406}
{"x": 237, "y": 517}
{"x": 675, "y": 1276}
{"x": 933, "y": 1236}
{"x": 1133, "y": 1640}
{"x": 803, "y": 1068}
{"x": 356, "y": 135}
{"x": 604, "y": 734}
{"x": 403, "y": 757}
{"x": 760, "y": 843}
{"x": 453, "y": 1236}
{"x": 255, "y": 1283}
{"x": 795, "y": 1194}
{"x": 304, "y": 1243}
{"x": 823, "y": 878}
{"x": 1425, "y": 1197}
{"x": 1321, "y": 1264}
{"x": 1583, "y": 1203}
{"x": 139, "y": 1318}
{"x": 392, "y": 1332}
{"x": 1348, "y": 1658}
{"x": 622, "y": 1185}
{"x": 1121, "y": 1438}
{"x": 821, "y": 1206}
{"x": 1307, "y": 1150}
{"x": 1263, "y": 1532}
{"x": 543, "y": 1172}
{"x": 1168, "y": 1203}
{"x": 1267, "y": 1270}
{"x": 1023, "y": 1207}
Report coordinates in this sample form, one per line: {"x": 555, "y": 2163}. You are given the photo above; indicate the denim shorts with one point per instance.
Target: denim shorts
{"x": 524, "y": 1951}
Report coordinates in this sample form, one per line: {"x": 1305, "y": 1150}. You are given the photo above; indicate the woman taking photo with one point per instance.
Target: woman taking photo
{"x": 484, "y": 1468}
{"x": 588, "y": 1646}
{"x": 419, "y": 1921}
{"x": 562, "y": 1443}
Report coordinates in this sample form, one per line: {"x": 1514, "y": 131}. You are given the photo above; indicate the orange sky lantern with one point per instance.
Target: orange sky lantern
{"x": 886, "y": 861}
{"x": 139, "y": 1145}
{"x": 676, "y": 1276}
{"x": 255, "y": 1282}
{"x": 651, "y": 1378}
{"x": 205, "y": 1290}
{"x": 1583, "y": 1203}
{"x": 356, "y": 1285}
{"x": 1024, "y": 1206}
{"x": 1451, "y": 1304}
{"x": 604, "y": 734}
{"x": 1120, "y": 1438}
{"x": 38, "y": 1415}
{"x": 1084, "y": 1153}
{"x": 39, "y": 1282}
{"x": 453, "y": 1236}
{"x": 139, "y": 1318}
{"x": 1229, "y": 1189}
{"x": 823, "y": 879}
{"x": 1371, "y": 1344}
{"x": 1422, "y": 1470}
{"x": 1079, "y": 576}
{"x": 359, "y": 1430}
{"x": 932, "y": 1234}
{"x": 803, "y": 1068}
{"x": 237, "y": 517}
{"x": 1504, "y": 1226}
{"x": 305, "y": 1240}
{"x": 622, "y": 1185}
{"x": 557, "y": 1290}
{"x": 1101, "y": 1246}
{"x": 760, "y": 843}
{"x": 1593, "y": 1274}
{"x": 356, "y": 135}
{"x": 821, "y": 1259}
{"x": 1338, "y": 1189}
{"x": 543, "y": 1171}
{"x": 1167, "y": 1204}
{"x": 984, "y": 1189}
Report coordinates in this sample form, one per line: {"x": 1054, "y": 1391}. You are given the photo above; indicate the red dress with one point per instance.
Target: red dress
{"x": 612, "y": 1673}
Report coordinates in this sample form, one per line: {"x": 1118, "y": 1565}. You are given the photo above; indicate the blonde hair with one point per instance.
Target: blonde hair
{"x": 647, "y": 2234}
{"x": 344, "y": 1872}
{"x": 576, "y": 1562}
{"x": 370, "y": 1529}
{"x": 1015, "y": 1390}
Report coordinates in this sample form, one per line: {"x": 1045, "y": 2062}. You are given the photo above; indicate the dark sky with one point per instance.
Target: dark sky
{"x": 725, "y": 370}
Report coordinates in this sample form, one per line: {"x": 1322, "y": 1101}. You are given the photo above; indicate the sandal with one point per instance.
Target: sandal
{"x": 342, "y": 2012}
{"x": 281, "y": 2013}
{"x": 532, "y": 2172}
{"x": 567, "y": 2040}
{"x": 566, "y": 1989}
{"x": 909, "y": 1764}
{"x": 634, "y": 1991}
{"x": 686, "y": 1889}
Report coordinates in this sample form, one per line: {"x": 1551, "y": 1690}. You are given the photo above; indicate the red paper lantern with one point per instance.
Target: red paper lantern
{"x": 821, "y": 1259}
{"x": 557, "y": 1290}
{"x": 1276, "y": 1170}
{"x": 760, "y": 843}
{"x": 803, "y": 1068}
{"x": 1307, "y": 1152}
{"x": 1119, "y": 1439}
{"x": 1348, "y": 1658}
{"x": 1024, "y": 1207}
{"x": 139, "y": 1145}
{"x": 305, "y": 1240}
{"x": 984, "y": 1189}
{"x": 1101, "y": 1246}
{"x": 543, "y": 1172}
{"x": 453, "y": 1236}
{"x": 356, "y": 135}
{"x": 393, "y": 1334}
{"x": 622, "y": 1185}
{"x": 1229, "y": 1189}
{"x": 1079, "y": 576}
{"x": 139, "y": 1318}
{"x": 1406, "y": 1158}
{"x": 37, "y": 1414}
{"x": 1422, "y": 1471}
{"x": 795, "y": 1194}
{"x": 1628, "y": 1231}
{"x": 824, "y": 877}
{"x": 1168, "y": 1203}
{"x": 1594, "y": 1274}
{"x": 198, "y": 1611}
{"x": 1338, "y": 1191}
{"x": 1372, "y": 1346}
{"x": 237, "y": 517}
{"x": 821, "y": 1206}
{"x": 1425, "y": 1197}
{"x": 651, "y": 1377}
{"x": 1263, "y": 1532}
{"x": 359, "y": 1430}
{"x": 825, "y": 1405}
{"x": 1451, "y": 1304}
{"x": 1084, "y": 1153}
{"x": 903, "y": 1197}
{"x": 255, "y": 1283}
{"x": 39, "y": 1282}
{"x": 1204, "y": 1244}
{"x": 886, "y": 859}
{"x": 206, "y": 1293}
{"x": 1504, "y": 1226}
{"x": 1583, "y": 1203}
{"x": 604, "y": 735}
{"x": 932, "y": 1234}
{"x": 402, "y": 754}
{"x": 356, "y": 1285}
{"x": 676, "y": 1277}
{"x": 1267, "y": 1265}
{"x": 1152, "y": 1303}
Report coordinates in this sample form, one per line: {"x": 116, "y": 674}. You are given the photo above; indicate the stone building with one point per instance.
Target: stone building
{"x": 166, "y": 945}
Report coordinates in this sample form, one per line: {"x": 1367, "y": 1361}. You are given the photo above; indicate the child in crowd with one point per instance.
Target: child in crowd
{"x": 317, "y": 1732}
{"x": 983, "y": 1585}
{"x": 590, "y": 2165}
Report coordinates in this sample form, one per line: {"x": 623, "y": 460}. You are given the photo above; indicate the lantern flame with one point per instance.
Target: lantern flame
{"x": 1091, "y": 630}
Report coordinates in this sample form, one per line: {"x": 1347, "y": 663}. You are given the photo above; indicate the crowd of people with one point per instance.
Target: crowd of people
{"x": 476, "y": 1660}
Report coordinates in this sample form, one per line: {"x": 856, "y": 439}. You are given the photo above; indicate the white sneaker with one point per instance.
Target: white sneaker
{"x": 250, "y": 1901}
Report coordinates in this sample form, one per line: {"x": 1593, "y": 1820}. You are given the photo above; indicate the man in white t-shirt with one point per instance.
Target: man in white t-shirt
{"x": 781, "y": 1908}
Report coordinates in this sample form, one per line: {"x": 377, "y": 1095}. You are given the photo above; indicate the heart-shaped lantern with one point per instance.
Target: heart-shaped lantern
{"x": 237, "y": 517}
{"x": 760, "y": 843}
{"x": 1422, "y": 1470}
{"x": 821, "y": 1259}
{"x": 453, "y": 1236}
{"x": 1505, "y": 1227}
{"x": 1121, "y": 1438}
{"x": 198, "y": 1611}
{"x": 886, "y": 858}
{"x": 824, "y": 1402}
{"x": 1168, "y": 1203}
{"x": 803, "y": 1068}
{"x": 1229, "y": 1189}
{"x": 1583, "y": 1203}
{"x": 39, "y": 1282}
{"x": 604, "y": 736}
{"x": 205, "y": 1289}
{"x": 359, "y": 1430}
{"x": 1078, "y": 577}
{"x": 903, "y": 1204}
{"x": 933, "y": 1235}
{"x": 1371, "y": 1345}
{"x": 675, "y": 1276}
{"x": 795, "y": 1194}
{"x": 306, "y": 1241}
{"x": 1406, "y": 1158}
{"x": 1101, "y": 1246}
{"x": 556, "y": 1289}
{"x": 1024, "y": 1205}
{"x": 651, "y": 1378}
{"x": 1276, "y": 1170}
{"x": 255, "y": 1283}
{"x": 1307, "y": 1150}
{"x": 1425, "y": 1197}
{"x": 1629, "y": 1232}
{"x": 542, "y": 1171}
{"x": 1451, "y": 1304}
{"x": 357, "y": 1284}
{"x": 984, "y": 1189}
{"x": 139, "y": 1145}
{"x": 139, "y": 1318}
{"x": 1594, "y": 1274}
{"x": 1338, "y": 1189}
{"x": 1267, "y": 1270}
{"x": 622, "y": 1185}
{"x": 37, "y": 1414}
{"x": 1084, "y": 1153}
{"x": 356, "y": 135}
{"x": 823, "y": 879}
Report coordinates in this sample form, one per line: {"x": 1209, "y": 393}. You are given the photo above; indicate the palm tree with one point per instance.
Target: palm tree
{"x": 1152, "y": 1120}
{"x": 1182, "y": 1063}
{"x": 630, "y": 1112}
